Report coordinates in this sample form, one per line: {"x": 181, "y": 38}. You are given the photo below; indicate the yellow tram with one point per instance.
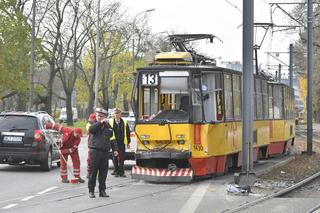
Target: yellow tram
{"x": 188, "y": 119}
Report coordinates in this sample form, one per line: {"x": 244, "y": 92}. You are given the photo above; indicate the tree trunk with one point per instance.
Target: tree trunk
{"x": 69, "y": 108}
{"x": 105, "y": 84}
{"x": 125, "y": 102}
{"x": 90, "y": 102}
{"x": 48, "y": 103}
{"x": 21, "y": 100}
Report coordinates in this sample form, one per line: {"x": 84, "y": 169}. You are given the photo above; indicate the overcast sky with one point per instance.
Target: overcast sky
{"x": 222, "y": 18}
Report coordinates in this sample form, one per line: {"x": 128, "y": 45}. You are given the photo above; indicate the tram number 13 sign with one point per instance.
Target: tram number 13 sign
{"x": 150, "y": 79}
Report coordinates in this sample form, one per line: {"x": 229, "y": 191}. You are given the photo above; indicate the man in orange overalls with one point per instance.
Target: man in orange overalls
{"x": 69, "y": 146}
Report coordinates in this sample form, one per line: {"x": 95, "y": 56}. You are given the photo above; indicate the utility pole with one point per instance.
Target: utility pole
{"x": 97, "y": 59}
{"x": 290, "y": 65}
{"x": 246, "y": 175}
{"x": 310, "y": 70}
{"x": 279, "y": 73}
{"x": 30, "y": 102}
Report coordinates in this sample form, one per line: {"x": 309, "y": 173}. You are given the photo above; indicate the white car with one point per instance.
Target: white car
{"x": 63, "y": 115}
{"x": 133, "y": 144}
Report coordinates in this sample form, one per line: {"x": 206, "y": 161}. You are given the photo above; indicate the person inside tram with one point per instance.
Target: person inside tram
{"x": 184, "y": 103}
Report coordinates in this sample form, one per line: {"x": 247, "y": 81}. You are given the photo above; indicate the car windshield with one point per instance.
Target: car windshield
{"x": 16, "y": 123}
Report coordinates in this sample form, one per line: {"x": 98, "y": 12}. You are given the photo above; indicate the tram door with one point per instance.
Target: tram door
{"x": 212, "y": 96}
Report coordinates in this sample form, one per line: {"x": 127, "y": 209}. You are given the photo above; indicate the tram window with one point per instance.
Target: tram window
{"x": 209, "y": 104}
{"x": 154, "y": 101}
{"x": 281, "y": 102}
{"x": 258, "y": 99}
{"x": 174, "y": 85}
{"x": 237, "y": 96}
{"x": 270, "y": 93}
{"x": 150, "y": 102}
{"x": 219, "y": 95}
{"x": 265, "y": 99}
{"x": 146, "y": 102}
{"x": 228, "y": 96}
{"x": 196, "y": 99}
{"x": 277, "y": 95}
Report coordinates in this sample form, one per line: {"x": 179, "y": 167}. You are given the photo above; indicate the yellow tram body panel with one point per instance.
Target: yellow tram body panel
{"x": 281, "y": 130}
{"x": 214, "y": 139}
{"x": 159, "y": 135}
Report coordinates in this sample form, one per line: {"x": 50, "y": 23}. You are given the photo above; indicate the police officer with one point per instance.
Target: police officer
{"x": 121, "y": 132}
{"x": 100, "y": 135}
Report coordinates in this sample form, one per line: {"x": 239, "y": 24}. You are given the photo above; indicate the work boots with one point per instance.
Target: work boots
{"x": 81, "y": 180}
{"x": 91, "y": 195}
{"x": 65, "y": 180}
{"x": 103, "y": 194}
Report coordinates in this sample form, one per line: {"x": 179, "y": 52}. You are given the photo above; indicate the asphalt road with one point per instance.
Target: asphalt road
{"x": 26, "y": 189}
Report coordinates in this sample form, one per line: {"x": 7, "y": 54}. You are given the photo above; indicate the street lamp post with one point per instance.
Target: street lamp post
{"x": 246, "y": 177}
{"x": 310, "y": 75}
{"x": 133, "y": 33}
{"x": 32, "y": 56}
{"x": 97, "y": 59}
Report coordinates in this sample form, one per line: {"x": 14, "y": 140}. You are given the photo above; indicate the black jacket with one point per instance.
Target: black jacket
{"x": 100, "y": 134}
{"x": 119, "y": 132}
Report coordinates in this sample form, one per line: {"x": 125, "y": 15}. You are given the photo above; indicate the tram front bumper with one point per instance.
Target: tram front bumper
{"x": 162, "y": 175}
{"x": 162, "y": 154}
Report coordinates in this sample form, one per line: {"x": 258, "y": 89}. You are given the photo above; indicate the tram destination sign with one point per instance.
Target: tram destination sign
{"x": 150, "y": 79}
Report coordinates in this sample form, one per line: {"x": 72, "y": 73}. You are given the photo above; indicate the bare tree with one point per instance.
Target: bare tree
{"x": 110, "y": 25}
{"x": 50, "y": 29}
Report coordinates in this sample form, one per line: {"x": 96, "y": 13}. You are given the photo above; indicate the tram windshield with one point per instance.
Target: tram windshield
{"x": 165, "y": 97}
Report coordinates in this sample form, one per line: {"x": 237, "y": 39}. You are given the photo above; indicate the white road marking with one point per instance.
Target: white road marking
{"x": 195, "y": 199}
{"x": 27, "y": 198}
{"x": 10, "y": 206}
{"x": 46, "y": 190}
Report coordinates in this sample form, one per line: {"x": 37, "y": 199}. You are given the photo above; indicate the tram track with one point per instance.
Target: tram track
{"x": 288, "y": 191}
{"x": 276, "y": 194}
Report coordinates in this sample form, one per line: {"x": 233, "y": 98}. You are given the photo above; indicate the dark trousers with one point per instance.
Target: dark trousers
{"x": 119, "y": 160}
{"x": 99, "y": 162}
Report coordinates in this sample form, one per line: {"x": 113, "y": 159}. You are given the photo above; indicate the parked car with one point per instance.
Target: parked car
{"x": 133, "y": 144}
{"x": 24, "y": 140}
{"x": 63, "y": 115}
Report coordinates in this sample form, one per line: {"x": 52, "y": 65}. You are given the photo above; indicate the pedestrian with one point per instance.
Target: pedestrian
{"x": 69, "y": 146}
{"x": 100, "y": 135}
{"x": 121, "y": 133}
{"x": 91, "y": 118}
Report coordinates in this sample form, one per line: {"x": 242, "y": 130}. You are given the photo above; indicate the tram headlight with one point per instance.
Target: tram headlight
{"x": 145, "y": 136}
{"x": 180, "y": 142}
{"x": 145, "y": 142}
{"x": 180, "y": 136}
